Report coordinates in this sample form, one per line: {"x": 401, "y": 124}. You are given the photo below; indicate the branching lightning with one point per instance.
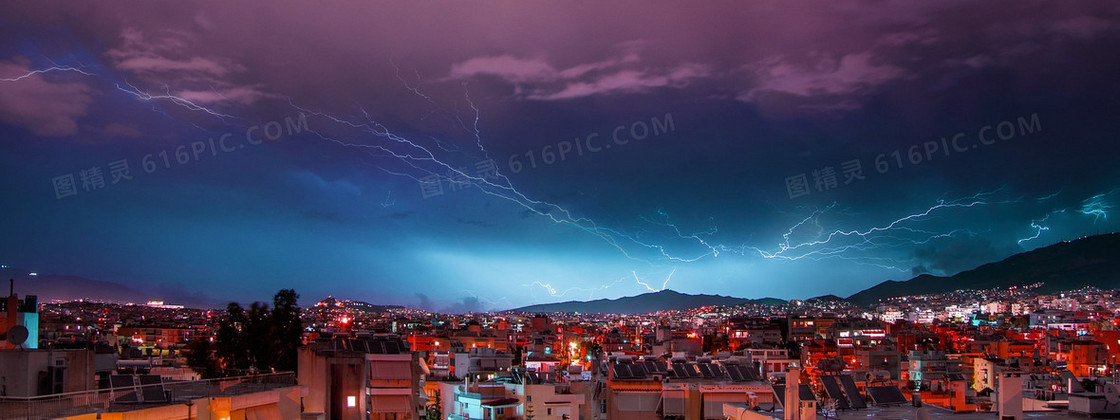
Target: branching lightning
{"x": 1039, "y": 228}
{"x": 1097, "y": 207}
{"x": 55, "y": 68}
{"x": 664, "y": 285}
{"x": 553, "y": 292}
{"x": 856, "y": 245}
{"x": 664, "y": 242}
{"x": 177, "y": 100}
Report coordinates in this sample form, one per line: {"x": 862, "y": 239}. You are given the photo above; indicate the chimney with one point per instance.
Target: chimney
{"x": 792, "y": 406}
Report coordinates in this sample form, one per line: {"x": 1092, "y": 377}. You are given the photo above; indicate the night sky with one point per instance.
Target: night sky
{"x": 459, "y": 156}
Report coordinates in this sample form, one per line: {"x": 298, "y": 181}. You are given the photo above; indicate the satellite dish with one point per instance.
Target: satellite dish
{"x": 17, "y": 335}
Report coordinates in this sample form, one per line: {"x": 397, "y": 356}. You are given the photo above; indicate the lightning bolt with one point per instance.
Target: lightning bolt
{"x": 388, "y": 201}
{"x": 553, "y": 292}
{"x": 664, "y": 285}
{"x": 825, "y": 243}
{"x": 1035, "y": 224}
{"x": 167, "y": 96}
{"x": 55, "y": 68}
{"x": 979, "y": 199}
{"x": 127, "y": 88}
{"x": 1097, "y": 207}
{"x": 423, "y": 158}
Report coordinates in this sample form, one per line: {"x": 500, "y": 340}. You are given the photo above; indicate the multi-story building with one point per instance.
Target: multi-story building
{"x": 1082, "y": 357}
{"x": 634, "y": 389}
{"x": 362, "y": 378}
{"x": 483, "y": 362}
{"x": 16, "y": 312}
{"x": 698, "y": 391}
{"x": 933, "y": 369}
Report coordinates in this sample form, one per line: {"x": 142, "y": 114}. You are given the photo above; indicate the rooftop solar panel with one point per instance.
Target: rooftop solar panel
{"x": 393, "y": 347}
{"x": 886, "y": 395}
{"x": 638, "y": 370}
{"x": 622, "y": 371}
{"x": 124, "y": 390}
{"x": 679, "y": 371}
{"x": 750, "y": 374}
{"x": 854, "y": 397}
{"x": 705, "y": 370}
{"x": 806, "y": 393}
{"x": 779, "y": 393}
{"x": 832, "y": 389}
{"x": 735, "y": 374}
{"x": 152, "y": 388}
{"x": 741, "y": 373}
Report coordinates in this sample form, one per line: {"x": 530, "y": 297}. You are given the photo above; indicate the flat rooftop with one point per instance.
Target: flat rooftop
{"x": 908, "y": 412}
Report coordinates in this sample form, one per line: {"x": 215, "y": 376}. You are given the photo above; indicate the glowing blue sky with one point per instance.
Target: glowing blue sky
{"x": 739, "y": 103}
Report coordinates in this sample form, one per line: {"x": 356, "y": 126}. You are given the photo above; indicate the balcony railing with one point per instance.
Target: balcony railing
{"x": 109, "y": 399}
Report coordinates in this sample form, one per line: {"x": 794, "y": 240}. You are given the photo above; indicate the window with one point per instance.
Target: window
{"x": 351, "y": 401}
{"x": 549, "y": 411}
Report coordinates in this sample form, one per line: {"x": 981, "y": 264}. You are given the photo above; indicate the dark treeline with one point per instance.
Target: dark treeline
{"x": 259, "y": 339}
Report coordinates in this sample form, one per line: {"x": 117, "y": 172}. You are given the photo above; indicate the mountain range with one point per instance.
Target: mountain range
{"x": 664, "y": 300}
{"x": 1090, "y": 261}
{"x": 1067, "y": 265}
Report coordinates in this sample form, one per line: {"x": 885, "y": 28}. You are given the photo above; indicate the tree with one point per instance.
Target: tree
{"x": 199, "y": 359}
{"x": 232, "y": 349}
{"x": 435, "y": 408}
{"x": 258, "y": 337}
{"x": 793, "y": 348}
{"x": 261, "y": 339}
{"x": 516, "y": 355}
{"x": 715, "y": 342}
{"x": 831, "y": 365}
{"x": 287, "y": 331}
{"x": 595, "y": 350}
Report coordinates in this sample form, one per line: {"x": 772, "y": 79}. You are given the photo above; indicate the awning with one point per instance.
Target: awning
{"x": 646, "y": 401}
{"x": 675, "y": 403}
{"x": 392, "y": 370}
{"x": 389, "y": 404}
{"x": 502, "y": 402}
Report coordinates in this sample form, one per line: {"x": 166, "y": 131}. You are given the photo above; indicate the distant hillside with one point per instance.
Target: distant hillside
{"x": 48, "y": 287}
{"x": 1091, "y": 261}
{"x": 664, "y": 300}
{"x": 357, "y": 305}
{"x": 826, "y": 298}
{"x": 56, "y": 287}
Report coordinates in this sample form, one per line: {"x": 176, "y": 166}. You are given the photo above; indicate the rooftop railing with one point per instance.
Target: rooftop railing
{"x": 127, "y": 398}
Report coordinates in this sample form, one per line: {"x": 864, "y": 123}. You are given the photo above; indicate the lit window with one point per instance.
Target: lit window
{"x": 351, "y": 401}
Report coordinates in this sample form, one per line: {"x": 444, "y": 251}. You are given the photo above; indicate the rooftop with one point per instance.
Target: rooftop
{"x": 908, "y": 412}
{"x": 139, "y": 395}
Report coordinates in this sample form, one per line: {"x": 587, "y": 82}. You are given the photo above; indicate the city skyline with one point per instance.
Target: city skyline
{"x": 458, "y": 157}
